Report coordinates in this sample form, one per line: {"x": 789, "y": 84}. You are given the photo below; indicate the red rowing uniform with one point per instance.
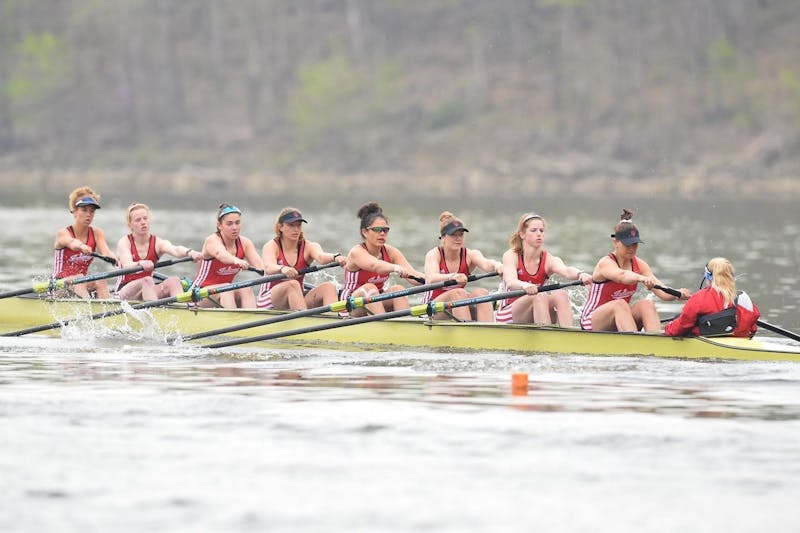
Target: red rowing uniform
{"x": 463, "y": 268}
{"x": 354, "y": 280}
{"x": 215, "y": 272}
{"x": 605, "y": 291}
{"x": 152, "y": 255}
{"x": 68, "y": 262}
{"x": 264, "y": 295}
{"x": 708, "y": 301}
{"x": 504, "y": 314}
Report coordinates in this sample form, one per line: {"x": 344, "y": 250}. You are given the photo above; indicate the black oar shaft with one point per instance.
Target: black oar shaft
{"x": 669, "y": 290}
{"x": 342, "y": 305}
{"x": 58, "y": 284}
{"x": 417, "y": 310}
{"x": 190, "y": 296}
{"x": 779, "y": 330}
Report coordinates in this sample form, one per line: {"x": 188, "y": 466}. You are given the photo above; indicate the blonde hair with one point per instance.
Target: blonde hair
{"x": 445, "y": 218}
{"x": 515, "y": 241}
{"x": 722, "y": 279}
{"x": 80, "y": 192}
{"x": 277, "y": 226}
{"x": 133, "y": 207}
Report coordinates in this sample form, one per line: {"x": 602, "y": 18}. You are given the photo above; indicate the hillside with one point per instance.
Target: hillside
{"x": 334, "y": 98}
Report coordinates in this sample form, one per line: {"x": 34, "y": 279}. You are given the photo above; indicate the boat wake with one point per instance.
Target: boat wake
{"x": 132, "y": 325}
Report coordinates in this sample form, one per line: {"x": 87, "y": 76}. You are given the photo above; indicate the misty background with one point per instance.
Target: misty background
{"x": 173, "y": 102}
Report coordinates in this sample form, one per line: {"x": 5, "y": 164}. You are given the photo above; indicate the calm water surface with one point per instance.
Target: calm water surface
{"x": 104, "y": 432}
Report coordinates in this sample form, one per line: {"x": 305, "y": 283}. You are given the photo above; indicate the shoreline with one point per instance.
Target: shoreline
{"x": 192, "y": 184}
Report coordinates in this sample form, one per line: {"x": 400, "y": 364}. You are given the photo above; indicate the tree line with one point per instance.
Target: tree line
{"x": 512, "y": 87}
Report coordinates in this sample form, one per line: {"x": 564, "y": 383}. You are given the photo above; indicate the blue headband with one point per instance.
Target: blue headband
{"x": 707, "y": 275}
{"x": 227, "y": 210}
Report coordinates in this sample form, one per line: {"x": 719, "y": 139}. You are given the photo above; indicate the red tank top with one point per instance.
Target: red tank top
{"x": 537, "y": 278}
{"x": 152, "y": 255}
{"x": 463, "y": 268}
{"x": 606, "y": 291}
{"x": 68, "y": 262}
{"x": 264, "y": 300}
{"x": 354, "y": 280}
{"x": 215, "y": 272}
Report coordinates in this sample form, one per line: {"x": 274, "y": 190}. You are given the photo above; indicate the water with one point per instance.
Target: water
{"x": 115, "y": 433}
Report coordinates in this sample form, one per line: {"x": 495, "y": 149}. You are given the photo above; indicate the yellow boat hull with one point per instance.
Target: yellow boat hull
{"x": 23, "y": 312}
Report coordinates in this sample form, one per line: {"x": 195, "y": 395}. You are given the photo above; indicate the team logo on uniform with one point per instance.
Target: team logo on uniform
{"x": 228, "y": 271}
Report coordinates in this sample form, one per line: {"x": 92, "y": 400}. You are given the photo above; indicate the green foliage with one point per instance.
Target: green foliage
{"x": 324, "y": 93}
{"x": 37, "y": 66}
{"x": 446, "y": 114}
{"x": 790, "y": 82}
{"x": 384, "y": 89}
{"x": 724, "y": 57}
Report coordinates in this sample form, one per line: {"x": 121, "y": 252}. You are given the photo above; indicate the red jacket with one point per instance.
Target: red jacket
{"x": 707, "y": 301}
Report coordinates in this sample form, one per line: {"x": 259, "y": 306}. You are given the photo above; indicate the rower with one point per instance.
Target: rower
{"x": 370, "y": 263}
{"x": 614, "y": 282}
{"x": 75, "y": 244}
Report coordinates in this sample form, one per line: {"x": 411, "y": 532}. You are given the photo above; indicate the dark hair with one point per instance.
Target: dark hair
{"x": 225, "y": 209}
{"x": 369, "y": 212}
{"x": 625, "y": 221}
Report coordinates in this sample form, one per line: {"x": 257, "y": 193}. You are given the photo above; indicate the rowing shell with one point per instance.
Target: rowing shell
{"x": 23, "y": 312}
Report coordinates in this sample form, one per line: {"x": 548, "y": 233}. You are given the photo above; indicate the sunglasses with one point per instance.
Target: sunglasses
{"x": 379, "y": 229}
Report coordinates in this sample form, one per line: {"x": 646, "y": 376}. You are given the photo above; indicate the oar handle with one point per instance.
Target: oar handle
{"x": 669, "y": 290}
{"x": 109, "y": 260}
{"x": 476, "y": 277}
{"x": 417, "y": 310}
{"x": 168, "y": 262}
{"x": 256, "y": 270}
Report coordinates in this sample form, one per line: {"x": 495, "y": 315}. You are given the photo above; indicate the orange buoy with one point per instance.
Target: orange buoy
{"x": 519, "y": 383}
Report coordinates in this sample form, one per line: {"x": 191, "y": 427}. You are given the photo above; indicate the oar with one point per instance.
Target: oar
{"x": 669, "y": 290}
{"x": 342, "y": 305}
{"x": 779, "y": 330}
{"x": 105, "y": 258}
{"x": 59, "y": 284}
{"x": 194, "y": 295}
{"x": 417, "y": 310}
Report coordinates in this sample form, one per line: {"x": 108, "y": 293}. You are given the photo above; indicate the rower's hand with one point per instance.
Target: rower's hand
{"x": 529, "y": 288}
{"x": 685, "y": 294}
{"x": 85, "y": 249}
{"x": 460, "y": 278}
{"x": 289, "y": 272}
{"x": 241, "y": 263}
{"x": 585, "y": 278}
{"x": 146, "y": 265}
{"x": 401, "y": 272}
{"x": 195, "y": 255}
{"x": 498, "y": 267}
{"x": 649, "y": 282}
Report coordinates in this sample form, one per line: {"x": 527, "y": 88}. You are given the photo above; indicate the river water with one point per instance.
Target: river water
{"x": 103, "y": 432}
